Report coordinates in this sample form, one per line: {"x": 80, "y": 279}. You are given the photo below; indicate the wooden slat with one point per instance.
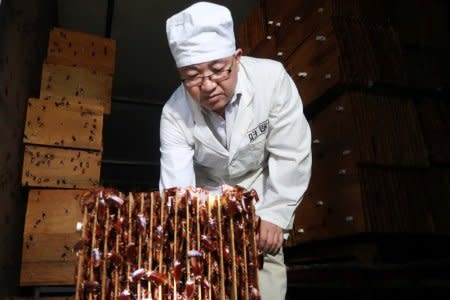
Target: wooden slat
{"x": 49, "y": 235}
{"x": 314, "y": 67}
{"x": 252, "y": 30}
{"x": 338, "y": 209}
{"x": 309, "y": 220}
{"x": 58, "y": 80}
{"x": 40, "y": 247}
{"x": 390, "y": 144}
{"x": 61, "y": 207}
{"x": 63, "y": 168}
{"x": 58, "y": 298}
{"x": 64, "y": 123}
{"x": 47, "y": 273}
{"x": 435, "y": 126}
{"x": 74, "y": 99}
{"x": 71, "y": 48}
{"x": 299, "y": 21}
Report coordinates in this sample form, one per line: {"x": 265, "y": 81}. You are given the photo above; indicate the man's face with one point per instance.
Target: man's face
{"x": 217, "y": 83}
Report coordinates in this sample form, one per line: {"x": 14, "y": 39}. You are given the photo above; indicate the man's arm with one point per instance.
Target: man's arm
{"x": 289, "y": 163}
{"x": 177, "y": 169}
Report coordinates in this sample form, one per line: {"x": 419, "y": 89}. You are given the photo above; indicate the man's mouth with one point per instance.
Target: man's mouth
{"x": 214, "y": 98}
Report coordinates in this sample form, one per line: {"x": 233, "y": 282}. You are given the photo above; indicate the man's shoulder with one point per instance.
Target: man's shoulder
{"x": 177, "y": 106}
{"x": 176, "y": 101}
{"x": 257, "y": 64}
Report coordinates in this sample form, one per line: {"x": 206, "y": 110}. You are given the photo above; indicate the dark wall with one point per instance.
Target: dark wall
{"x": 24, "y": 27}
{"x": 131, "y": 146}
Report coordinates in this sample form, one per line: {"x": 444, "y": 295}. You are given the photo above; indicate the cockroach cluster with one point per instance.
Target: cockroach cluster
{"x": 176, "y": 245}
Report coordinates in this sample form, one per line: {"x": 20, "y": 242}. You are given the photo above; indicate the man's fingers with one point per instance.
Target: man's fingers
{"x": 270, "y": 237}
{"x": 269, "y": 242}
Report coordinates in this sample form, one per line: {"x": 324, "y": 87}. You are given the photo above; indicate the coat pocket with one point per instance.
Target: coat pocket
{"x": 251, "y": 156}
{"x": 209, "y": 158}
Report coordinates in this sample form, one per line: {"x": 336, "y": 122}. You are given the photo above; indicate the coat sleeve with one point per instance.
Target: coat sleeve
{"x": 177, "y": 169}
{"x": 289, "y": 160}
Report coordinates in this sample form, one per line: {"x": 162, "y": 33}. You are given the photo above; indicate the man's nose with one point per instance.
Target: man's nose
{"x": 208, "y": 84}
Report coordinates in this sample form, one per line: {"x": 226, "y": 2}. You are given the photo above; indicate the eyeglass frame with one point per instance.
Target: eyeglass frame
{"x": 202, "y": 78}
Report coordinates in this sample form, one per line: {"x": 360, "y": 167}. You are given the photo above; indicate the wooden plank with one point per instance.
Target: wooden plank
{"x": 47, "y": 273}
{"x": 72, "y": 297}
{"x": 299, "y": 21}
{"x": 252, "y": 30}
{"x": 74, "y": 99}
{"x": 310, "y": 219}
{"x": 71, "y": 48}
{"x": 390, "y": 144}
{"x": 337, "y": 210}
{"x": 64, "y": 123}
{"x": 62, "y": 210}
{"x": 435, "y": 126}
{"x": 314, "y": 66}
{"x": 49, "y": 235}
{"x": 56, "y": 247}
{"x": 58, "y": 80}
{"x": 63, "y": 168}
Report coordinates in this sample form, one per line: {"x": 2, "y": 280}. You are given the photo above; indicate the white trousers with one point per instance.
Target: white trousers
{"x": 272, "y": 278}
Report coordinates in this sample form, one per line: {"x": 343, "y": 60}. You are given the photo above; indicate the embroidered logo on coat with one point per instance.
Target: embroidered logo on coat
{"x": 258, "y": 130}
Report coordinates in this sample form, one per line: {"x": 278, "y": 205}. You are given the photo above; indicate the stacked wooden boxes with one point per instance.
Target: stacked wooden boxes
{"x": 63, "y": 150}
{"x": 380, "y": 149}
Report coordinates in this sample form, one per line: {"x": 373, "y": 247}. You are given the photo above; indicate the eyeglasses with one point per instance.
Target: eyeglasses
{"x": 216, "y": 76}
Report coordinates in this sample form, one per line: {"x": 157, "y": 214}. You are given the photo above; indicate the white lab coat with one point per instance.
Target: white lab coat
{"x": 270, "y": 147}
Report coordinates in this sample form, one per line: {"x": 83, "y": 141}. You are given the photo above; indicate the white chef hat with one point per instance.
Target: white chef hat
{"x": 200, "y": 33}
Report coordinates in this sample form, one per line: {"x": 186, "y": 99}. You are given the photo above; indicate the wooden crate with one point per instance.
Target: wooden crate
{"x": 345, "y": 52}
{"x": 58, "y": 80}
{"x": 71, "y": 48}
{"x": 327, "y": 45}
{"x": 430, "y": 26}
{"x": 294, "y": 21}
{"x": 60, "y": 168}
{"x": 332, "y": 206}
{"x": 64, "y": 122}
{"x": 252, "y": 30}
{"x": 435, "y": 123}
{"x": 357, "y": 185}
{"x": 49, "y": 236}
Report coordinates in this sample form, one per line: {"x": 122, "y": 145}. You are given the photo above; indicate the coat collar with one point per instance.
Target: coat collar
{"x": 245, "y": 114}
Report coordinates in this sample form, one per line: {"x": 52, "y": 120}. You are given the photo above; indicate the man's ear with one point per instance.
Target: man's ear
{"x": 238, "y": 54}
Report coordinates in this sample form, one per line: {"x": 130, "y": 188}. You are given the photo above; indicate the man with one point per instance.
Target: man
{"x": 235, "y": 120}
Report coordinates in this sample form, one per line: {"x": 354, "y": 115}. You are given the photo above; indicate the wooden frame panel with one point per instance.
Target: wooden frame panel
{"x": 64, "y": 123}
{"x": 60, "y": 168}
{"x": 49, "y": 236}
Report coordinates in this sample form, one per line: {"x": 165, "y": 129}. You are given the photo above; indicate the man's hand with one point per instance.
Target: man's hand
{"x": 270, "y": 237}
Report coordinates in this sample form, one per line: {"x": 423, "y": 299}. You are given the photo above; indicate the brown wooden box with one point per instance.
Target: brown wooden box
{"x": 327, "y": 60}
{"x": 71, "y": 48}
{"x": 430, "y": 27}
{"x": 329, "y": 44}
{"x": 58, "y": 80}
{"x": 296, "y": 20}
{"x": 358, "y": 182}
{"x": 49, "y": 236}
{"x": 252, "y": 30}
{"x": 65, "y": 122}
{"x": 434, "y": 115}
{"x": 345, "y": 52}
{"x": 332, "y": 206}
{"x": 60, "y": 168}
